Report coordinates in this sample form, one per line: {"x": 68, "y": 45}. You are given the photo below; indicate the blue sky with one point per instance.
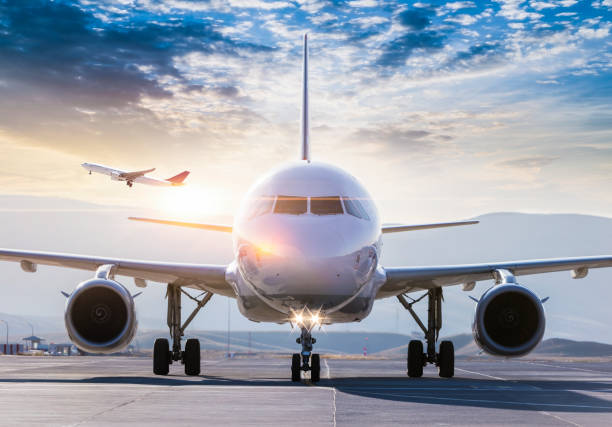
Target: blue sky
{"x": 443, "y": 109}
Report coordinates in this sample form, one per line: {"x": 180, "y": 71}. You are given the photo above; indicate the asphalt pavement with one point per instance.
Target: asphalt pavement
{"x": 89, "y": 391}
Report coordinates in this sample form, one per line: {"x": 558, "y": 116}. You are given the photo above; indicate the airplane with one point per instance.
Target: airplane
{"x": 307, "y": 243}
{"x": 138, "y": 176}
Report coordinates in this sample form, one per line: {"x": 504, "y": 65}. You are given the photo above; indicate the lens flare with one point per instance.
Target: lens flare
{"x": 306, "y": 318}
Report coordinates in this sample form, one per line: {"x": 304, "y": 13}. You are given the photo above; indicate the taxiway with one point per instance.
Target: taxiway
{"x": 92, "y": 391}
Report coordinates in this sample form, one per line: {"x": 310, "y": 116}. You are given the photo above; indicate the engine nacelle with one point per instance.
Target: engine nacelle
{"x": 509, "y": 321}
{"x": 100, "y": 316}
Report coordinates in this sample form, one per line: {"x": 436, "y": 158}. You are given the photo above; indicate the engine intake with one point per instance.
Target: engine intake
{"x": 509, "y": 321}
{"x": 100, "y": 316}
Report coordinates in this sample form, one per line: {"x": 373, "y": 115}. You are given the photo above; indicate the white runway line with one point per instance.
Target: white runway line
{"x": 564, "y": 367}
{"x": 328, "y": 375}
{"x": 497, "y": 402}
{"x": 560, "y": 419}
{"x": 484, "y": 375}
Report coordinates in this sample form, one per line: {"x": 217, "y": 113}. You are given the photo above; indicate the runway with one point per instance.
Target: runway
{"x": 89, "y": 391}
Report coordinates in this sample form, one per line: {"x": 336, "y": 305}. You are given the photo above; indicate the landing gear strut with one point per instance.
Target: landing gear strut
{"x": 306, "y": 360}
{"x": 163, "y": 356}
{"x": 129, "y": 183}
{"x": 417, "y": 359}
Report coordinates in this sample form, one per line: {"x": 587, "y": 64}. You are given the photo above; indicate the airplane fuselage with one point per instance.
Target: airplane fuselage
{"x": 120, "y": 175}
{"x": 307, "y": 239}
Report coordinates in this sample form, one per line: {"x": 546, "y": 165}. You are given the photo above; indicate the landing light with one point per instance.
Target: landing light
{"x": 306, "y": 318}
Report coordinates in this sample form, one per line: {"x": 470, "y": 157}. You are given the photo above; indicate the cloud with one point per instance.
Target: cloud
{"x": 478, "y": 55}
{"x": 396, "y": 52}
{"x": 65, "y": 49}
{"x": 415, "y": 19}
{"x": 457, "y": 5}
{"x": 535, "y": 162}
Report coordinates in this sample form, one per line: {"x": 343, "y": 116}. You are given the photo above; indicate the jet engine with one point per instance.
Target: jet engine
{"x": 100, "y": 316}
{"x": 509, "y": 320}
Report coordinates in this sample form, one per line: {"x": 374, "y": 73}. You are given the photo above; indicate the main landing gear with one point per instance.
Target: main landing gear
{"x": 417, "y": 359}
{"x": 129, "y": 183}
{"x": 306, "y": 360}
{"x": 190, "y": 357}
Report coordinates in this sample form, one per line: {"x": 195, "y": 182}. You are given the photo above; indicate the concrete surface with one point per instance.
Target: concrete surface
{"x": 118, "y": 391}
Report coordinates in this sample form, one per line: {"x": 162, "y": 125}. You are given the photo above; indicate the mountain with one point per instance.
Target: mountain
{"x": 577, "y": 309}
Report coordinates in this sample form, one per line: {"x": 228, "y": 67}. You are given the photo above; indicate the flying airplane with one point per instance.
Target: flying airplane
{"x": 307, "y": 242}
{"x": 138, "y": 176}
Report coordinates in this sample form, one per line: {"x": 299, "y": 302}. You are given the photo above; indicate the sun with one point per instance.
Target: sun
{"x": 188, "y": 202}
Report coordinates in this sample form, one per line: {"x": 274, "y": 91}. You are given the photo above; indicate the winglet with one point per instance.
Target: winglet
{"x": 305, "y": 121}
{"x": 178, "y": 179}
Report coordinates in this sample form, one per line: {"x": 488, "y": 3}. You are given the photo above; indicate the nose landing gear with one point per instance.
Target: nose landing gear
{"x": 306, "y": 360}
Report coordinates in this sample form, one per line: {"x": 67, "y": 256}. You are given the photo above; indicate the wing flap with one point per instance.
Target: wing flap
{"x": 199, "y": 276}
{"x": 409, "y": 279}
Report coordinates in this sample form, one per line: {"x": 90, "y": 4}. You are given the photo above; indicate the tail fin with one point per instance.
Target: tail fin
{"x": 305, "y": 117}
{"x": 178, "y": 179}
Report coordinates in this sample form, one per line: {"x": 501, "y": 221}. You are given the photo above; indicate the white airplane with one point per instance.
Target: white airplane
{"x": 138, "y": 176}
{"x": 307, "y": 244}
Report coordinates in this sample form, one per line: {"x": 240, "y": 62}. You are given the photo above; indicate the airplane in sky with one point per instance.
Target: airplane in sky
{"x": 138, "y": 176}
{"x": 307, "y": 242}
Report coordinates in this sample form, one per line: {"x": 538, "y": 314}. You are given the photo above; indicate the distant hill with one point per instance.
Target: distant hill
{"x": 377, "y": 344}
{"x": 563, "y": 347}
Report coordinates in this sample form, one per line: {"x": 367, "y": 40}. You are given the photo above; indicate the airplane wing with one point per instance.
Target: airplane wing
{"x": 133, "y": 175}
{"x": 399, "y": 228}
{"x": 212, "y": 227}
{"x": 197, "y": 276}
{"x": 409, "y": 279}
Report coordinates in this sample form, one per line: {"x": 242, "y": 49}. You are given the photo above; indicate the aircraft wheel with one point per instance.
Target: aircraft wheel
{"x": 415, "y": 359}
{"x": 296, "y": 367}
{"x": 446, "y": 359}
{"x": 191, "y": 357}
{"x": 161, "y": 357}
{"x": 315, "y": 368}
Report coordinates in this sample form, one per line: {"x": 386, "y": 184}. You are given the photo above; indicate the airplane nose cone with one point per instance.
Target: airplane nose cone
{"x": 297, "y": 280}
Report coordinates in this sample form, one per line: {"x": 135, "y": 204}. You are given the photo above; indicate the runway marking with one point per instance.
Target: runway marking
{"x": 505, "y": 402}
{"x": 484, "y": 375}
{"x": 564, "y": 367}
{"x": 560, "y": 419}
{"x": 328, "y": 375}
{"x": 509, "y": 388}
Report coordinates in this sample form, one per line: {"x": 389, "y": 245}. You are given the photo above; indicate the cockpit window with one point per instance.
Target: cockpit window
{"x": 326, "y": 205}
{"x": 354, "y": 207}
{"x": 262, "y": 205}
{"x": 293, "y": 205}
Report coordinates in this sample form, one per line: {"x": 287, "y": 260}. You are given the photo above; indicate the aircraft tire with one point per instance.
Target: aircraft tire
{"x": 296, "y": 365}
{"x": 191, "y": 357}
{"x": 415, "y": 358}
{"x": 446, "y": 359}
{"x": 315, "y": 368}
{"x": 161, "y": 357}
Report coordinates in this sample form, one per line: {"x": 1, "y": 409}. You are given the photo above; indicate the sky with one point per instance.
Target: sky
{"x": 444, "y": 110}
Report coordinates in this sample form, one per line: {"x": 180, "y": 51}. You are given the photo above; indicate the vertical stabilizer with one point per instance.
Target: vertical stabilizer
{"x": 305, "y": 125}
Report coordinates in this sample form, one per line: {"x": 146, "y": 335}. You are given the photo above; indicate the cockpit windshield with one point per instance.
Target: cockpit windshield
{"x": 300, "y": 205}
{"x": 293, "y": 205}
{"x": 262, "y": 205}
{"x": 355, "y": 207}
{"x": 326, "y": 205}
